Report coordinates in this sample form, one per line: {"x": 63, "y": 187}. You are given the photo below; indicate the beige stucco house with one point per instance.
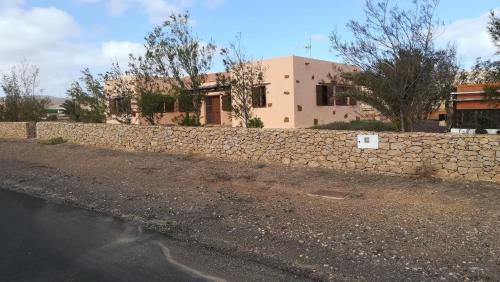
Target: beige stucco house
{"x": 297, "y": 93}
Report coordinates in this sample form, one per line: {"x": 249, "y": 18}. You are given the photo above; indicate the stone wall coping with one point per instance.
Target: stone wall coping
{"x": 292, "y": 130}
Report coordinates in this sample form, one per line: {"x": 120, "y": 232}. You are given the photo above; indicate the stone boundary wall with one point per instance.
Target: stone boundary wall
{"x": 446, "y": 155}
{"x": 17, "y": 130}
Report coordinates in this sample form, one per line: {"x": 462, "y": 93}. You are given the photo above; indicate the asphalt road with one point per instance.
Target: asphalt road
{"x": 47, "y": 242}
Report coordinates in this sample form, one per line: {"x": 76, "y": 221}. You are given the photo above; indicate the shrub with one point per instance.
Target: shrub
{"x": 255, "y": 123}
{"x": 150, "y": 104}
{"x": 262, "y": 165}
{"x": 365, "y": 125}
{"x": 185, "y": 120}
{"x": 52, "y": 141}
{"x": 481, "y": 131}
{"x": 52, "y": 118}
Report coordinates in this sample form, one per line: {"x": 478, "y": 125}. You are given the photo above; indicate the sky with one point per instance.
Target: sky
{"x": 63, "y": 37}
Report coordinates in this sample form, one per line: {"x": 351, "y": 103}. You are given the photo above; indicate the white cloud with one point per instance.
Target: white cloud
{"x": 10, "y": 4}
{"x": 49, "y": 38}
{"x": 119, "y": 51}
{"x": 117, "y": 7}
{"x": 156, "y": 10}
{"x": 320, "y": 38}
{"x": 471, "y": 38}
{"x": 53, "y": 40}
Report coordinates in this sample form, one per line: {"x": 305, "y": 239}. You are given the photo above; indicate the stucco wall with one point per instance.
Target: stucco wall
{"x": 309, "y": 73}
{"x": 17, "y": 130}
{"x": 450, "y": 156}
{"x": 279, "y": 79}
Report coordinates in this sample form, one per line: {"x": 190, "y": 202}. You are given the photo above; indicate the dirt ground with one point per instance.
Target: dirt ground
{"x": 388, "y": 227}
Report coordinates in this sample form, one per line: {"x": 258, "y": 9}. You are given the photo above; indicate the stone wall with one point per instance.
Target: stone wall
{"x": 17, "y": 130}
{"x": 444, "y": 155}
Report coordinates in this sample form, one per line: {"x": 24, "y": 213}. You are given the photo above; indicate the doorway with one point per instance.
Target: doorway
{"x": 212, "y": 107}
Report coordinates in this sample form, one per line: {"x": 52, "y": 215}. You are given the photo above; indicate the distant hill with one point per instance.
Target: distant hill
{"x": 54, "y": 101}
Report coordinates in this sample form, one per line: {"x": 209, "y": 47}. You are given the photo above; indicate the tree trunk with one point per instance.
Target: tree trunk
{"x": 246, "y": 118}
{"x": 402, "y": 121}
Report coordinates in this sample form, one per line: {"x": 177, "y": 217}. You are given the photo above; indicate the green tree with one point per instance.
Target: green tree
{"x": 179, "y": 56}
{"x": 151, "y": 103}
{"x": 241, "y": 78}
{"x": 494, "y": 29}
{"x": 118, "y": 86}
{"x": 402, "y": 74}
{"x": 73, "y": 109}
{"x": 87, "y": 101}
{"x": 22, "y": 101}
{"x": 488, "y": 71}
{"x": 150, "y": 86}
{"x": 482, "y": 72}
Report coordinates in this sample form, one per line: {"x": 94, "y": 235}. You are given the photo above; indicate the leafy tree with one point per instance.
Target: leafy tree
{"x": 494, "y": 29}
{"x": 150, "y": 104}
{"x": 179, "y": 56}
{"x": 87, "y": 103}
{"x": 403, "y": 75}
{"x": 150, "y": 87}
{"x": 486, "y": 72}
{"x": 22, "y": 101}
{"x": 241, "y": 78}
{"x": 73, "y": 109}
{"x": 118, "y": 85}
{"x": 482, "y": 72}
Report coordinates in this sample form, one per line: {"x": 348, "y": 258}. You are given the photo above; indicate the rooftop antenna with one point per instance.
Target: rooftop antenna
{"x": 308, "y": 47}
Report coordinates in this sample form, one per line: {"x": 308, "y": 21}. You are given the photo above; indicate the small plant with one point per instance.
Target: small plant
{"x": 185, "y": 120}
{"x": 261, "y": 165}
{"x": 255, "y": 123}
{"x": 481, "y": 131}
{"x": 52, "y": 141}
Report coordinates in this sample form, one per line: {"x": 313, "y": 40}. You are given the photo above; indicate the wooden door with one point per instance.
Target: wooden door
{"x": 213, "y": 109}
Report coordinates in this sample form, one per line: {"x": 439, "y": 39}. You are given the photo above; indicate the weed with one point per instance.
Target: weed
{"x": 52, "y": 141}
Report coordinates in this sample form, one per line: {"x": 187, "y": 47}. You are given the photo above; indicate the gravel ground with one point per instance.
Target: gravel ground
{"x": 388, "y": 228}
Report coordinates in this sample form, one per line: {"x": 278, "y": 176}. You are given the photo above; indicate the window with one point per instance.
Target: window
{"x": 169, "y": 104}
{"x": 119, "y": 105}
{"x": 259, "y": 97}
{"x": 166, "y": 105}
{"x": 227, "y": 104}
{"x": 185, "y": 103}
{"x": 341, "y": 100}
{"x": 324, "y": 95}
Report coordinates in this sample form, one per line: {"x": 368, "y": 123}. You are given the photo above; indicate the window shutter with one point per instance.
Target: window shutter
{"x": 263, "y": 96}
{"x": 112, "y": 106}
{"x": 319, "y": 90}
{"x": 227, "y": 104}
{"x": 254, "y": 98}
{"x": 331, "y": 94}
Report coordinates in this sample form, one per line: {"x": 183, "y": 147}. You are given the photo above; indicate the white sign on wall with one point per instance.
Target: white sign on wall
{"x": 368, "y": 141}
